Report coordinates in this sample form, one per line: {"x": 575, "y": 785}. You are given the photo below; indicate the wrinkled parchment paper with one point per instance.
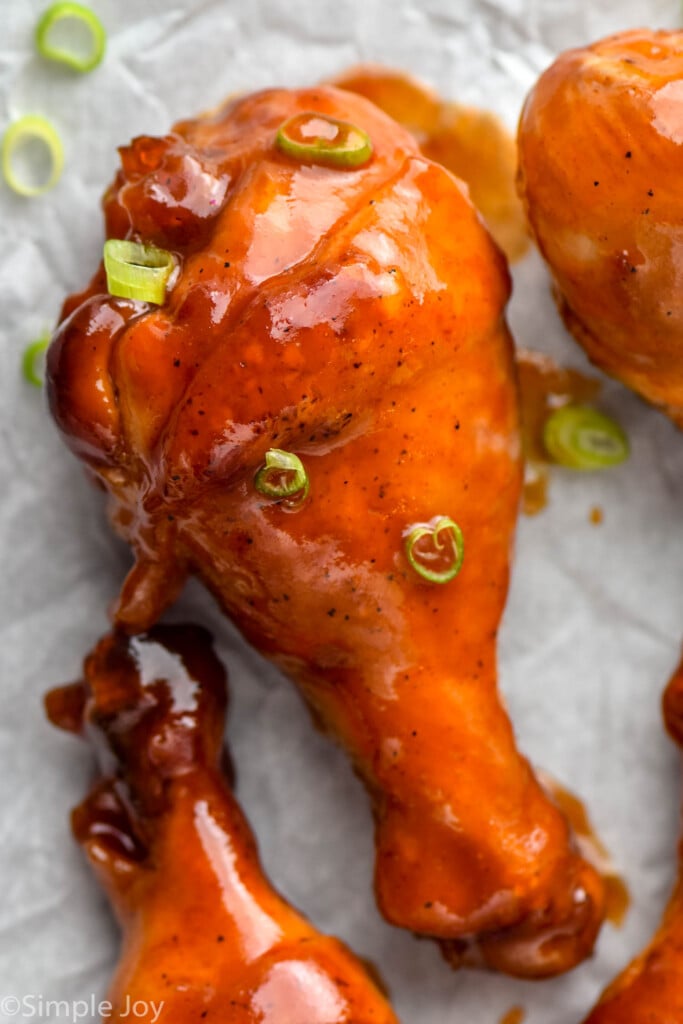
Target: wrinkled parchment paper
{"x": 595, "y": 615}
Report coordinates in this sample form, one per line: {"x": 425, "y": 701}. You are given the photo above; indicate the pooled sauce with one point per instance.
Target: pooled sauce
{"x": 515, "y": 1015}
{"x": 473, "y": 144}
{"x": 544, "y": 387}
{"x": 617, "y": 896}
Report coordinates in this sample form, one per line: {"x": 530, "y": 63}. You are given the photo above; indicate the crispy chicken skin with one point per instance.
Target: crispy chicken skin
{"x": 601, "y": 162}
{"x": 650, "y": 990}
{"x": 204, "y": 933}
{"x": 355, "y": 318}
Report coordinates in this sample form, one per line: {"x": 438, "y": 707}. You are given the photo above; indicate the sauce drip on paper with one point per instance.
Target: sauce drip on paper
{"x": 596, "y": 515}
{"x": 544, "y": 387}
{"x": 515, "y": 1015}
{"x": 593, "y": 849}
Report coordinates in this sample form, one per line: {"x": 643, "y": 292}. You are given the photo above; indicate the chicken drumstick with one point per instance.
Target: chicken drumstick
{"x": 600, "y": 170}
{"x": 347, "y": 319}
{"x": 205, "y": 934}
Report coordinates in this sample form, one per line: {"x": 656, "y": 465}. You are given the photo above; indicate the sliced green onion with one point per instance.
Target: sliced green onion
{"x": 317, "y": 139}
{"x": 21, "y": 138}
{"x": 423, "y": 557}
{"x": 33, "y": 363}
{"x": 58, "y": 40}
{"x": 283, "y": 476}
{"x": 136, "y": 271}
{"x": 579, "y": 437}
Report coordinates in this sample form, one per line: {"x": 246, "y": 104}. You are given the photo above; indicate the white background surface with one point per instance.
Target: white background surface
{"x": 595, "y": 615}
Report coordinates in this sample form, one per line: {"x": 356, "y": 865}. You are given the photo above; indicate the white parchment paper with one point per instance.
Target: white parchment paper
{"x": 595, "y": 614}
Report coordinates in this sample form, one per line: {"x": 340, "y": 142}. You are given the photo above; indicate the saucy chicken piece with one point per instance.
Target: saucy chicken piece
{"x": 600, "y": 169}
{"x": 471, "y": 143}
{"x": 205, "y": 935}
{"x": 351, "y": 317}
{"x": 650, "y": 990}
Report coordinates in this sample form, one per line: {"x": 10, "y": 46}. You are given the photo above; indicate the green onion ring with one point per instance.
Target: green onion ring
{"x": 318, "y": 139}
{"x": 31, "y": 356}
{"x": 137, "y": 271}
{"x": 27, "y": 129}
{"x": 579, "y": 437}
{"x": 291, "y": 478}
{"x": 88, "y": 19}
{"x": 435, "y": 528}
